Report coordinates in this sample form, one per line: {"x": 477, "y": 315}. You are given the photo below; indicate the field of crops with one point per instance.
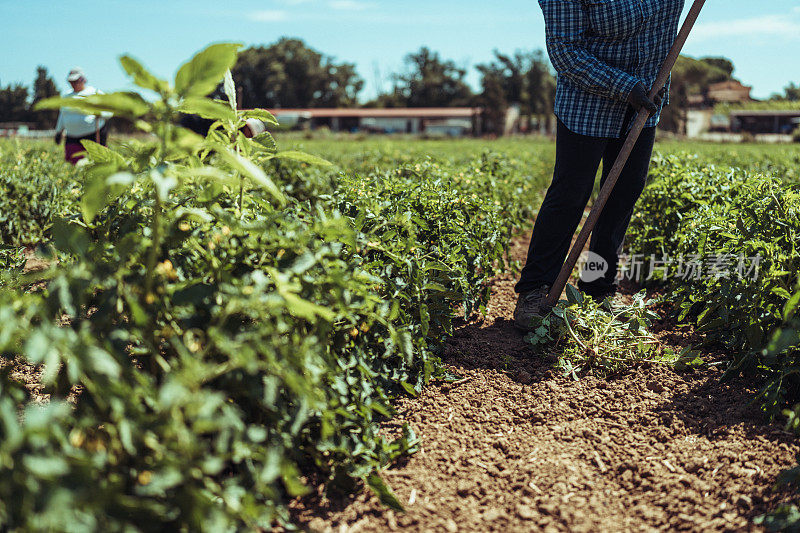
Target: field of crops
{"x": 195, "y": 333}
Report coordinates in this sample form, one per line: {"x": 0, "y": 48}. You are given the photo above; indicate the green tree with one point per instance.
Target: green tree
{"x": 44, "y": 87}
{"x": 430, "y": 81}
{"x": 493, "y": 98}
{"x": 525, "y": 79}
{"x": 541, "y": 86}
{"x": 290, "y": 74}
{"x": 722, "y": 63}
{"x": 14, "y": 103}
{"x": 790, "y": 94}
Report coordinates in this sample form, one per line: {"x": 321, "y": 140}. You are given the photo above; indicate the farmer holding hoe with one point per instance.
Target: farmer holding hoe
{"x": 77, "y": 126}
{"x": 607, "y": 54}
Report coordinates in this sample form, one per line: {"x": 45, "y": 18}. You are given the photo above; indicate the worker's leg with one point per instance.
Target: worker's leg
{"x": 104, "y": 135}
{"x": 609, "y": 233}
{"x": 72, "y": 150}
{"x": 577, "y": 160}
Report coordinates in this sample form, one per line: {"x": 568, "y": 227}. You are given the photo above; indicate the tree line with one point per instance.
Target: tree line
{"x": 290, "y": 74}
{"x": 17, "y": 101}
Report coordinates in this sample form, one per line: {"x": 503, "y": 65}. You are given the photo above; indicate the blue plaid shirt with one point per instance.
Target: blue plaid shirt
{"x": 601, "y": 49}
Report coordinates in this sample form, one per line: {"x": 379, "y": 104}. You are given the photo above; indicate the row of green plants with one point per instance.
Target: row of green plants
{"x": 724, "y": 243}
{"x": 781, "y": 161}
{"x": 35, "y": 188}
{"x": 723, "y": 218}
{"x": 766, "y": 105}
{"x": 223, "y": 324}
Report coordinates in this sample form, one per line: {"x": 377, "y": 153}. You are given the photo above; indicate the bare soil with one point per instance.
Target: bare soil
{"x": 515, "y": 446}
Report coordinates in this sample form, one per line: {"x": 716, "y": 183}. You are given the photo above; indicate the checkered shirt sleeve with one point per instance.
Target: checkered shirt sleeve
{"x": 600, "y": 50}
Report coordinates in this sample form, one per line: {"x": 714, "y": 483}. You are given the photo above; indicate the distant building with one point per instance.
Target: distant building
{"x": 23, "y": 129}
{"x": 12, "y": 129}
{"x": 443, "y": 121}
{"x": 702, "y": 120}
{"x": 728, "y": 92}
{"x": 758, "y": 122}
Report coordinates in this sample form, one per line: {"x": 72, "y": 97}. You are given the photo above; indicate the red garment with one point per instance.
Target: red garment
{"x": 73, "y": 152}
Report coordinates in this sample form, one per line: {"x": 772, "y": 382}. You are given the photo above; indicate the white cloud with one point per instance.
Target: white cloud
{"x": 765, "y": 26}
{"x": 290, "y": 11}
{"x": 350, "y": 5}
{"x": 271, "y": 15}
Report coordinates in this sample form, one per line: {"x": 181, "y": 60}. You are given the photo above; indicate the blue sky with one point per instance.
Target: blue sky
{"x": 761, "y": 37}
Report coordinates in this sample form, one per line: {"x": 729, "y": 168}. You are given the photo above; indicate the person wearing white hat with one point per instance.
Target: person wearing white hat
{"x": 77, "y": 126}
{"x": 253, "y": 128}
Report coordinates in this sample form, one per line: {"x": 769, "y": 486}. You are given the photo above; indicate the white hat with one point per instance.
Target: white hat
{"x": 257, "y": 127}
{"x": 76, "y": 74}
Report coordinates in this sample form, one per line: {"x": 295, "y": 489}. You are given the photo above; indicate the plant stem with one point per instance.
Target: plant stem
{"x": 241, "y": 195}
{"x": 152, "y": 256}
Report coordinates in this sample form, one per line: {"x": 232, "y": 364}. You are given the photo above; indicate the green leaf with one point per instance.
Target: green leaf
{"x": 267, "y": 141}
{"x": 100, "y": 154}
{"x": 574, "y": 296}
{"x": 187, "y": 140}
{"x": 780, "y": 291}
{"x": 163, "y": 183}
{"x": 54, "y": 102}
{"x": 141, "y": 76}
{"x": 291, "y": 480}
{"x": 230, "y": 90}
{"x": 783, "y": 339}
{"x": 100, "y": 189}
{"x": 304, "y": 309}
{"x": 69, "y": 237}
{"x": 138, "y": 313}
{"x": 791, "y": 305}
{"x": 250, "y": 170}
{"x": 37, "y": 347}
{"x": 103, "y": 363}
{"x": 262, "y": 114}
{"x": 384, "y": 493}
{"x": 406, "y": 345}
{"x": 207, "y": 108}
{"x": 126, "y": 436}
{"x": 45, "y": 467}
{"x": 425, "y": 319}
{"x": 755, "y": 335}
{"x": 409, "y": 388}
{"x": 201, "y": 74}
{"x": 121, "y": 104}
{"x": 302, "y": 157}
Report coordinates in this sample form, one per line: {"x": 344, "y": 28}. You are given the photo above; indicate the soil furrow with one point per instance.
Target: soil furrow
{"x": 515, "y": 446}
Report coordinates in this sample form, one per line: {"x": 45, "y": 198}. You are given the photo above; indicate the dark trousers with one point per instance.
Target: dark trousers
{"x": 577, "y": 160}
{"x": 73, "y": 149}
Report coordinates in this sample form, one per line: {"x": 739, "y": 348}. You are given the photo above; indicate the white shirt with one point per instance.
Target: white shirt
{"x": 74, "y": 123}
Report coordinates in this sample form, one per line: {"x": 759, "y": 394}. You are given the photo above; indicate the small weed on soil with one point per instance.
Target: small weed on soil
{"x": 604, "y": 338}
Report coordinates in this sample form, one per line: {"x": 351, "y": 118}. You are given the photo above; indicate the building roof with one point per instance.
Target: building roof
{"x": 399, "y": 112}
{"x": 765, "y": 113}
{"x": 729, "y": 84}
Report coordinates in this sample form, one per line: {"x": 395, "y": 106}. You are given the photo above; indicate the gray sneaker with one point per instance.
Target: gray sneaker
{"x": 531, "y": 305}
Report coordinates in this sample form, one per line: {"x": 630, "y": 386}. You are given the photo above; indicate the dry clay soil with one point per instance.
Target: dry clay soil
{"x": 516, "y": 446}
